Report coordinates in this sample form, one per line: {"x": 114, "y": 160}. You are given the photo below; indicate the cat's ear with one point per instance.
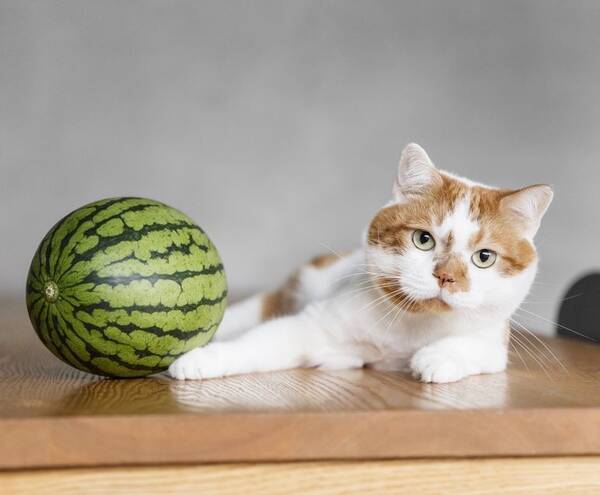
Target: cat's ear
{"x": 416, "y": 173}
{"x": 527, "y": 206}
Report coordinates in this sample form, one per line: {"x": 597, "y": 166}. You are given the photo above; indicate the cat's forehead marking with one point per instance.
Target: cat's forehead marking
{"x": 458, "y": 225}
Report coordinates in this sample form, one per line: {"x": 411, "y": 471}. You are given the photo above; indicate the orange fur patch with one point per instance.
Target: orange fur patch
{"x": 500, "y": 231}
{"x": 392, "y": 224}
{"x": 324, "y": 260}
{"x": 282, "y": 301}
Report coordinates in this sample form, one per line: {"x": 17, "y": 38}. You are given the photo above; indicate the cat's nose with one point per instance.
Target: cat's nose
{"x": 443, "y": 277}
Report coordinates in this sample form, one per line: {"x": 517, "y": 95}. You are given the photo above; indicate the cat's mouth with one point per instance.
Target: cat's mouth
{"x": 401, "y": 297}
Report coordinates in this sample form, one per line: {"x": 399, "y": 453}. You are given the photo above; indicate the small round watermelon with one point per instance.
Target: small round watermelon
{"x": 122, "y": 286}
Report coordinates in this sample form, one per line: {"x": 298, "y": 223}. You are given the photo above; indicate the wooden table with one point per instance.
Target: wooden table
{"x": 533, "y": 428}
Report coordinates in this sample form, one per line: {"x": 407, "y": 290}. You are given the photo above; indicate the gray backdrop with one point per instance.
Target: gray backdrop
{"x": 278, "y": 125}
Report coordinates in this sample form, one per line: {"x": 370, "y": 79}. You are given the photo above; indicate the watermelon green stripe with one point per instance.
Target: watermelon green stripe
{"x": 123, "y": 286}
{"x": 41, "y": 327}
{"x": 59, "y": 345}
{"x": 155, "y": 308}
{"x": 85, "y": 218}
{"x": 87, "y": 253}
{"x": 44, "y": 256}
{"x": 153, "y": 242}
{"x": 178, "y": 277}
{"x": 34, "y": 281}
{"x": 34, "y": 286}
{"x": 35, "y": 300}
{"x": 69, "y": 225}
{"x": 116, "y": 251}
{"x": 177, "y": 292}
{"x": 62, "y": 232}
{"x": 177, "y": 249}
{"x": 79, "y": 339}
{"x": 119, "y": 329}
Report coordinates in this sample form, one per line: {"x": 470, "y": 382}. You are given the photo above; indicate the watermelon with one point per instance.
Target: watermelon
{"x": 122, "y": 286}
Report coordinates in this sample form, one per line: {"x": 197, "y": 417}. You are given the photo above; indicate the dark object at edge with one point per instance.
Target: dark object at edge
{"x": 580, "y": 309}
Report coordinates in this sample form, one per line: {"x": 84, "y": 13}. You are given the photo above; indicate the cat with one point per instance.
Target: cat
{"x": 441, "y": 269}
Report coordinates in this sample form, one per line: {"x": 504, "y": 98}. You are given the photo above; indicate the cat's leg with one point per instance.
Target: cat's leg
{"x": 240, "y": 317}
{"x": 282, "y": 343}
{"x": 453, "y": 358}
{"x": 315, "y": 281}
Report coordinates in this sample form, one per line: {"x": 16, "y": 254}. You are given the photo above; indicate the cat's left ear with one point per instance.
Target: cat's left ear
{"x": 527, "y": 206}
{"x": 416, "y": 173}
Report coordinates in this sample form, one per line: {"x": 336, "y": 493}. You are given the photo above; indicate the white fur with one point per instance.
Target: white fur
{"x": 347, "y": 322}
{"x": 239, "y": 317}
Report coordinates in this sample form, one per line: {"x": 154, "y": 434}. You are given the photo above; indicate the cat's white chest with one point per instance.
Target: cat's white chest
{"x": 381, "y": 329}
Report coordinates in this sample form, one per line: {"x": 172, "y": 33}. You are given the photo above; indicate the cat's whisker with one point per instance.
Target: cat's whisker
{"x": 411, "y": 278}
{"x": 523, "y": 340}
{"x": 401, "y": 311}
{"x": 523, "y": 347}
{"x": 395, "y": 307}
{"x": 358, "y": 274}
{"x": 535, "y": 358}
{"x": 553, "y": 301}
{"x": 523, "y": 337}
{"x": 388, "y": 297}
{"x": 376, "y": 291}
{"x": 333, "y": 251}
{"x": 557, "y": 324}
{"x": 371, "y": 284}
{"x": 540, "y": 341}
{"x": 545, "y": 354}
{"x": 548, "y": 284}
{"x": 374, "y": 282}
{"x": 375, "y": 302}
{"x": 514, "y": 348}
{"x": 381, "y": 299}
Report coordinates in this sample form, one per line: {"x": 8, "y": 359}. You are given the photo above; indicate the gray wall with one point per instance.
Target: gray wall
{"x": 278, "y": 125}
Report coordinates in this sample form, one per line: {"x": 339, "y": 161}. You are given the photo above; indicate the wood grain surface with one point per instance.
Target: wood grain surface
{"x": 548, "y": 476}
{"x": 548, "y": 403}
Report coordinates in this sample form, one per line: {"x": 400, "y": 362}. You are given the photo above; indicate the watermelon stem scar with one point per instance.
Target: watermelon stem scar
{"x": 51, "y": 291}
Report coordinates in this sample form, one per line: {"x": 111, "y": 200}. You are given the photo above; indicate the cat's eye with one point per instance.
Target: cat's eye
{"x": 484, "y": 258}
{"x": 423, "y": 240}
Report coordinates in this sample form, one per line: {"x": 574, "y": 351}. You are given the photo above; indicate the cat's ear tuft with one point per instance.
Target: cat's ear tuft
{"x": 528, "y": 205}
{"x": 416, "y": 173}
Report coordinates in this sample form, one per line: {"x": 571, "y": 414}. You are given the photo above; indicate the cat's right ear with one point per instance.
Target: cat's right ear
{"x": 416, "y": 174}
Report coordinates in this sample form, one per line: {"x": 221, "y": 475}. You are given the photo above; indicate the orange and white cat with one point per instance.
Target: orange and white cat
{"x": 440, "y": 271}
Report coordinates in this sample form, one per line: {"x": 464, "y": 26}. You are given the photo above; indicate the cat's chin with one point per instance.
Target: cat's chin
{"x": 442, "y": 302}
{"x": 458, "y": 302}
{"x": 430, "y": 305}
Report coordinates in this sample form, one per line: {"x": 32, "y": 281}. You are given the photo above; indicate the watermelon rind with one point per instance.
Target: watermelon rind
{"x": 123, "y": 286}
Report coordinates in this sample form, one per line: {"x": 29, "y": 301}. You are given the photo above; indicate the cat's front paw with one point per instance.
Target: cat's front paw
{"x": 197, "y": 364}
{"x": 434, "y": 365}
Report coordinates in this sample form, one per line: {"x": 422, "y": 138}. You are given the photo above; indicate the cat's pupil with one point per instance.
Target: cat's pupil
{"x": 484, "y": 255}
{"x": 424, "y": 238}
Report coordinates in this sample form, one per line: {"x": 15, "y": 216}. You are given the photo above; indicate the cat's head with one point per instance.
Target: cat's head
{"x": 448, "y": 244}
